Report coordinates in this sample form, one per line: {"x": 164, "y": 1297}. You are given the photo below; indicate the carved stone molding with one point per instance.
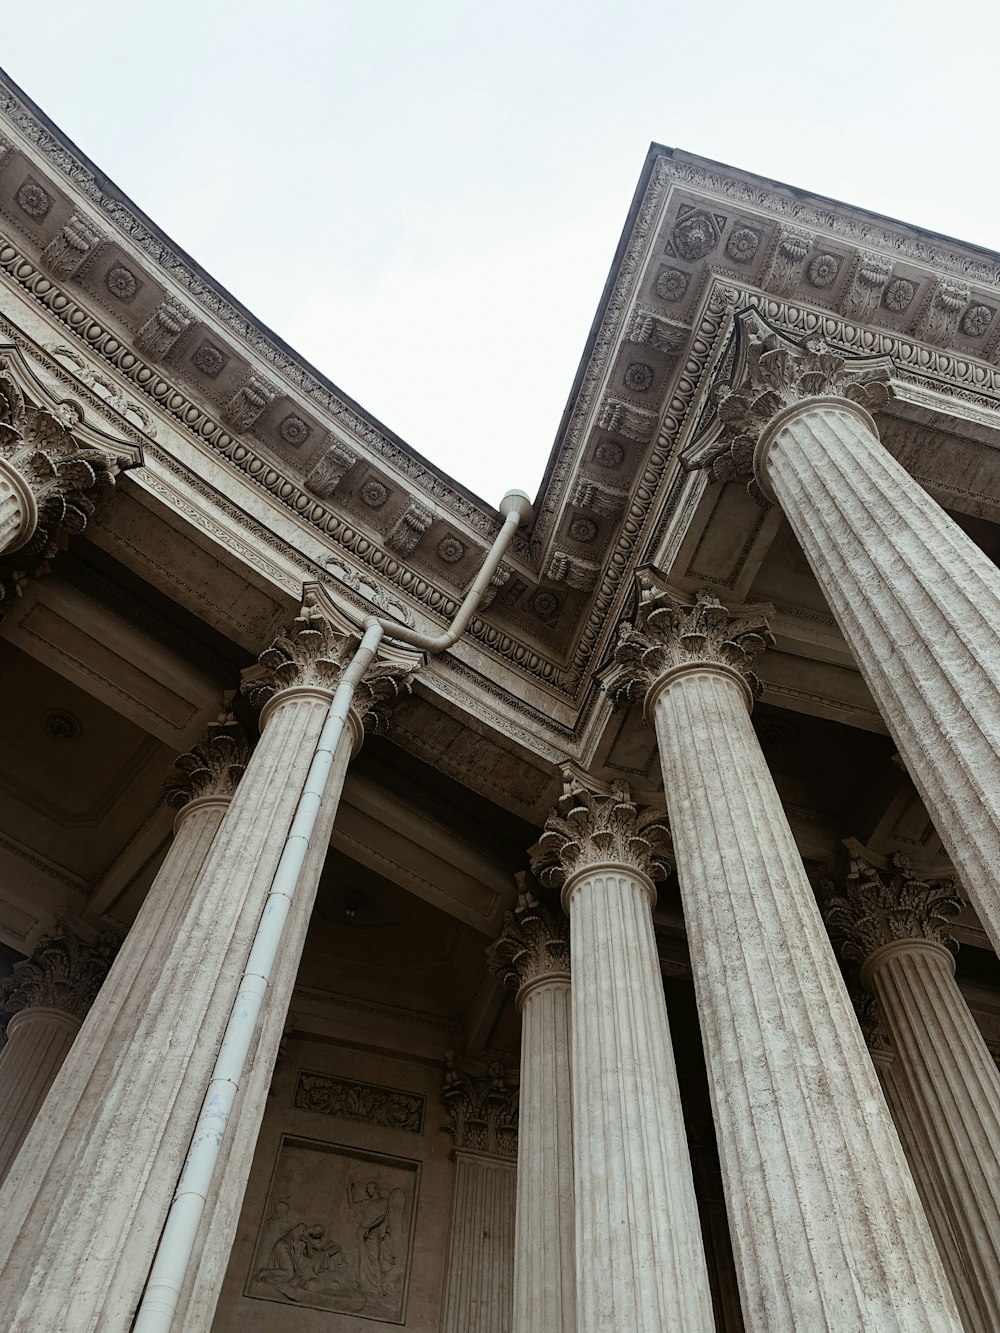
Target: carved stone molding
{"x": 62, "y": 973}
{"x": 482, "y": 1109}
{"x": 66, "y": 253}
{"x": 407, "y": 530}
{"x": 369, "y": 1103}
{"x": 672, "y": 631}
{"x": 315, "y": 653}
{"x": 534, "y": 943}
{"x": 587, "y": 830}
{"x": 768, "y": 373}
{"x": 213, "y": 767}
{"x": 876, "y": 905}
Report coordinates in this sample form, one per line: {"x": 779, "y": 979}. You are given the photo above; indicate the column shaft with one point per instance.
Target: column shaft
{"x": 121, "y": 1161}
{"x": 544, "y": 1288}
{"x": 38, "y": 1041}
{"x": 640, "y": 1259}
{"x": 954, "y": 1093}
{"x": 919, "y": 605}
{"x": 828, "y": 1231}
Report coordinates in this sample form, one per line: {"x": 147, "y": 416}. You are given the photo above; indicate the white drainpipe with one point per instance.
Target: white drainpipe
{"x": 173, "y": 1254}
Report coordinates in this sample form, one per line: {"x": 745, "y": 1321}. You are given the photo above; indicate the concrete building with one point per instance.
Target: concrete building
{"x": 551, "y": 920}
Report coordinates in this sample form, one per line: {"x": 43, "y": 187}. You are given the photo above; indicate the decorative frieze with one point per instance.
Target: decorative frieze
{"x": 482, "y": 1109}
{"x": 369, "y": 1103}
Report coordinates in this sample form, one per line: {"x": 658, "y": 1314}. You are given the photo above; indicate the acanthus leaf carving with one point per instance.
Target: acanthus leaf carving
{"x": 672, "y": 630}
{"x": 163, "y": 328}
{"x": 249, "y": 402}
{"x": 573, "y": 570}
{"x": 533, "y": 943}
{"x": 598, "y": 496}
{"x": 482, "y": 1108}
{"x": 64, "y": 972}
{"x": 664, "y": 334}
{"x": 636, "y": 423}
{"x": 791, "y": 246}
{"x": 213, "y": 767}
{"x": 409, "y": 527}
{"x": 939, "y": 321}
{"x": 871, "y": 275}
{"x": 330, "y": 468}
{"x": 66, "y": 253}
{"x": 587, "y": 830}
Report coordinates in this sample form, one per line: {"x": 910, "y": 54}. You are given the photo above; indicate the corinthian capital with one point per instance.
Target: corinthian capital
{"x": 57, "y": 477}
{"x": 672, "y": 630}
{"x": 314, "y": 654}
{"x": 482, "y": 1108}
{"x": 877, "y": 905}
{"x": 213, "y": 767}
{"x": 762, "y": 373}
{"x": 62, "y": 973}
{"x": 534, "y": 943}
{"x": 587, "y": 830}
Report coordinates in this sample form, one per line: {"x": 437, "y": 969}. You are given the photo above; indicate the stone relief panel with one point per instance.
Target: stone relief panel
{"x": 345, "y": 1099}
{"x": 337, "y": 1231}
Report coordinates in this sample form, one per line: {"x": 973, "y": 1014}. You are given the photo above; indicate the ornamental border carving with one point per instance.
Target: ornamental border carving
{"x": 368, "y": 1103}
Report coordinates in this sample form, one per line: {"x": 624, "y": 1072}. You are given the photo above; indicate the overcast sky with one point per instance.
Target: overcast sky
{"x": 424, "y": 196}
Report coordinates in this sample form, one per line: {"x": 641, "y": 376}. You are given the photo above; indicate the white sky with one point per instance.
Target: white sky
{"x": 424, "y": 196}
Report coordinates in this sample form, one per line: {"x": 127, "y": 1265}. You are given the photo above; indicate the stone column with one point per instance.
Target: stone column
{"x": 121, "y": 1159}
{"x": 894, "y": 925}
{"x": 479, "y": 1283}
{"x": 918, "y": 602}
{"x": 49, "y": 481}
{"x": 532, "y": 954}
{"x": 47, "y": 999}
{"x": 640, "y": 1260}
{"x": 828, "y": 1231}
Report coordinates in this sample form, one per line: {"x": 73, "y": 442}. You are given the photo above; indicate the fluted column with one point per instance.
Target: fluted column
{"x": 894, "y": 925}
{"x": 532, "y": 954}
{"x": 640, "y": 1261}
{"x": 479, "y": 1281}
{"x": 47, "y": 999}
{"x": 828, "y": 1232}
{"x": 121, "y": 1161}
{"x": 918, "y": 602}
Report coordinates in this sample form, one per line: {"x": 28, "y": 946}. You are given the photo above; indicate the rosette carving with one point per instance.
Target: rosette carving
{"x": 315, "y": 653}
{"x": 874, "y": 907}
{"x": 213, "y": 767}
{"x": 62, "y": 973}
{"x": 534, "y": 943}
{"x": 588, "y": 830}
{"x": 672, "y": 631}
{"x": 772, "y": 373}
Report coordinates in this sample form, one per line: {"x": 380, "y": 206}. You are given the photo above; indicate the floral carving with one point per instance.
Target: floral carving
{"x": 63, "y": 973}
{"x": 346, "y": 1099}
{"x": 209, "y": 359}
{"x": 122, "y": 283}
{"x": 742, "y": 244}
{"x": 583, "y": 529}
{"x": 545, "y": 604}
{"x": 374, "y": 494}
{"x": 639, "y": 377}
{"x": 609, "y": 453}
{"x": 772, "y": 374}
{"x": 587, "y": 830}
{"x": 672, "y": 631}
{"x": 534, "y": 943}
{"x": 294, "y": 431}
{"x": 898, "y": 295}
{"x": 482, "y": 1109}
{"x": 671, "y": 284}
{"x": 450, "y": 550}
{"x": 695, "y": 235}
{"x": 875, "y": 907}
{"x": 33, "y": 200}
{"x": 315, "y": 654}
{"x": 822, "y": 270}
{"x": 977, "y": 319}
{"x": 213, "y": 767}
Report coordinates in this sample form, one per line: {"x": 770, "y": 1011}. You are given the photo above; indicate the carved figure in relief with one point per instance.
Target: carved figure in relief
{"x": 303, "y": 1261}
{"x": 374, "y": 1213}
